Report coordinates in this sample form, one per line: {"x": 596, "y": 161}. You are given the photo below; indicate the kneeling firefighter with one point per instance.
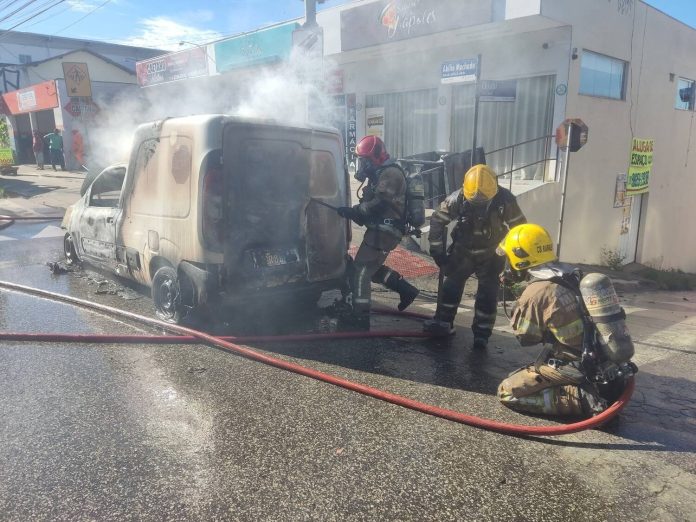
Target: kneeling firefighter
{"x": 587, "y": 362}
{"x": 382, "y": 209}
{"x": 484, "y": 212}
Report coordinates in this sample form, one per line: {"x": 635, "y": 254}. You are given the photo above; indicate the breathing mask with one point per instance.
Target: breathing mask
{"x": 365, "y": 169}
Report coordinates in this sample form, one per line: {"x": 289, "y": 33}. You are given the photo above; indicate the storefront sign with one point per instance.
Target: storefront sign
{"x": 260, "y": 47}
{"x": 78, "y": 107}
{"x": 640, "y": 166}
{"x": 459, "y": 71}
{"x": 77, "y": 79}
{"x": 498, "y": 91}
{"x": 334, "y": 81}
{"x": 38, "y": 97}
{"x": 374, "y": 121}
{"x": 393, "y": 20}
{"x": 352, "y": 132}
{"x": 171, "y": 67}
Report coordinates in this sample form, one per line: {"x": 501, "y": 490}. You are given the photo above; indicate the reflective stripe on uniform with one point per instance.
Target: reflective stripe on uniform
{"x": 525, "y": 326}
{"x": 483, "y": 320}
{"x": 567, "y": 332}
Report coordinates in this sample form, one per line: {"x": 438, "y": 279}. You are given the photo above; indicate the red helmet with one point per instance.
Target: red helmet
{"x": 373, "y": 149}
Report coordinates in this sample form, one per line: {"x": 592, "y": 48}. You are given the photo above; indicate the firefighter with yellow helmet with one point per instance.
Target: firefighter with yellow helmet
{"x": 484, "y": 212}
{"x": 587, "y": 353}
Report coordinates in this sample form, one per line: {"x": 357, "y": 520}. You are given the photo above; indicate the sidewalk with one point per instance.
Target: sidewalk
{"x": 33, "y": 191}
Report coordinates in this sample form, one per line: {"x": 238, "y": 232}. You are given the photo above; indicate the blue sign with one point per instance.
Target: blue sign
{"x": 460, "y": 71}
{"x": 260, "y": 47}
{"x": 498, "y": 90}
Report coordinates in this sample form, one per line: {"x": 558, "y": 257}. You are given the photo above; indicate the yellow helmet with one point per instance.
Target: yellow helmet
{"x": 480, "y": 184}
{"x": 526, "y": 246}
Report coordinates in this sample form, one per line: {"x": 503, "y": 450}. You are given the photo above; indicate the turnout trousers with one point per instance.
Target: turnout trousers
{"x": 543, "y": 389}
{"x": 368, "y": 267}
{"x": 460, "y": 266}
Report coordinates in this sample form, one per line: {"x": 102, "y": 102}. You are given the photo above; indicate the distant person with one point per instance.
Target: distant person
{"x": 78, "y": 147}
{"x": 55, "y": 148}
{"x": 38, "y": 148}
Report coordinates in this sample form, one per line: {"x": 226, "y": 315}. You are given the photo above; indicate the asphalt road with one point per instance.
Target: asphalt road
{"x": 179, "y": 432}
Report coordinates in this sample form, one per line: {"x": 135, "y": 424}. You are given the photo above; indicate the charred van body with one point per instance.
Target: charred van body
{"x": 213, "y": 207}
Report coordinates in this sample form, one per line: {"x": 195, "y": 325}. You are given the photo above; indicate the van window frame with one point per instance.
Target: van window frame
{"x": 102, "y": 175}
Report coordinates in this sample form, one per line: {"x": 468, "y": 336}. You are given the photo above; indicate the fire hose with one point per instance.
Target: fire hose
{"x": 190, "y": 334}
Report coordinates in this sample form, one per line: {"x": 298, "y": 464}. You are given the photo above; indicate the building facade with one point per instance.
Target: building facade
{"x": 50, "y": 82}
{"x": 412, "y": 71}
{"x": 623, "y": 67}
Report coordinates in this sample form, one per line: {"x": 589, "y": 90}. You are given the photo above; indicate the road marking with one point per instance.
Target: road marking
{"x": 29, "y": 231}
{"x": 50, "y": 231}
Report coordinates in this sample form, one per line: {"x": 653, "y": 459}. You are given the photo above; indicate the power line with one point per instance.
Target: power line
{"x": 7, "y": 32}
{"x": 27, "y": 4}
{"x": 28, "y": 13}
{"x": 82, "y": 18}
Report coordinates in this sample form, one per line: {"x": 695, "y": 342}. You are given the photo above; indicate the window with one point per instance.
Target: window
{"x": 602, "y": 76}
{"x": 685, "y": 95}
{"x": 106, "y": 189}
{"x": 24, "y": 58}
{"x": 410, "y": 121}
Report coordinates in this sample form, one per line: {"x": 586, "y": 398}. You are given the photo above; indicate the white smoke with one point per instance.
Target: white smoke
{"x": 282, "y": 92}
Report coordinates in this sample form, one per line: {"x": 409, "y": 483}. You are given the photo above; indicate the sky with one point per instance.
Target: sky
{"x": 163, "y": 24}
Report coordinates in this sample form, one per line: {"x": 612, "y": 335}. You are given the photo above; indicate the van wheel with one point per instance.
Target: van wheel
{"x": 69, "y": 248}
{"x": 166, "y": 295}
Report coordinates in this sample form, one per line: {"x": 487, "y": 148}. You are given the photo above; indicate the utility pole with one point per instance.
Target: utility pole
{"x": 477, "y": 101}
{"x": 311, "y": 12}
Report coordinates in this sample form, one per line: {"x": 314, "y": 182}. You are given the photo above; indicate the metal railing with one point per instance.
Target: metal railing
{"x": 442, "y": 176}
{"x": 509, "y": 151}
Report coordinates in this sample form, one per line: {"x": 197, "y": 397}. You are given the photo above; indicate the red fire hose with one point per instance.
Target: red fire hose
{"x": 505, "y": 428}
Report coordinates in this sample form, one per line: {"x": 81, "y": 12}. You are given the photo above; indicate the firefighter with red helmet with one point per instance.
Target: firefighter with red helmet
{"x": 381, "y": 209}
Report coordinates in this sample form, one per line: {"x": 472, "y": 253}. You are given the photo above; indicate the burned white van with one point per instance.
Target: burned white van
{"x": 213, "y": 207}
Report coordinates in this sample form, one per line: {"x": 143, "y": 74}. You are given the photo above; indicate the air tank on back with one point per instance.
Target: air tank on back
{"x": 603, "y": 305}
{"x": 415, "y": 200}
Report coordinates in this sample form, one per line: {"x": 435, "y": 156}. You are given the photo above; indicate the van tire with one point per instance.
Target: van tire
{"x": 69, "y": 248}
{"x": 166, "y": 295}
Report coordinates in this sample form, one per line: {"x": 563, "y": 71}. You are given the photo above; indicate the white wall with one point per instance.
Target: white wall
{"x": 400, "y": 69}
{"x": 655, "y": 46}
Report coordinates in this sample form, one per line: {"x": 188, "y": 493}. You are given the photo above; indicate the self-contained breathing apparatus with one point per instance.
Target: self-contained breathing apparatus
{"x": 607, "y": 346}
{"x": 413, "y": 216}
{"x": 477, "y": 223}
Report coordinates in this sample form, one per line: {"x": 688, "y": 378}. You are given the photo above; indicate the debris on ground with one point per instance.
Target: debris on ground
{"x": 59, "y": 267}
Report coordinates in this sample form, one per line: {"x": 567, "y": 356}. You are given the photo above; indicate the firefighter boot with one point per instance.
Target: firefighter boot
{"x": 438, "y": 328}
{"x": 480, "y": 343}
{"x": 407, "y": 292}
{"x": 356, "y": 322}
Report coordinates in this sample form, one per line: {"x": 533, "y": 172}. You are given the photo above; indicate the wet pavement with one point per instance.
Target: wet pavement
{"x": 187, "y": 432}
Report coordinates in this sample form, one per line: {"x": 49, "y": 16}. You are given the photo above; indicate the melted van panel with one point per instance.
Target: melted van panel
{"x": 269, "y": 175}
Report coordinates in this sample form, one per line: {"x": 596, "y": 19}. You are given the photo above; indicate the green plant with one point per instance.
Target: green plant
{"x": 611, "y": 258}
{"x": 670, "y": 279}
{"x": 4, "y": 134}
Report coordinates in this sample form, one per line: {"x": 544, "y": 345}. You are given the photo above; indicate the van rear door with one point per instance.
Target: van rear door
{"x": 273, "y": 234}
